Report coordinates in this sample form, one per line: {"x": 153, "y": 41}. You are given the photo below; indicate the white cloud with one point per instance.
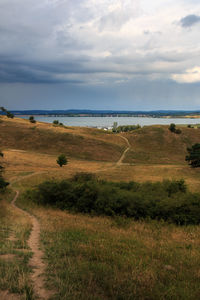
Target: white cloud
{"x": 190, "y": 76}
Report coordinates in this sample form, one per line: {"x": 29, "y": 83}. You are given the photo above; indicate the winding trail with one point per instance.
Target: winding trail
{"x": 36, "y": 261}
{"x": 120, "y": 161}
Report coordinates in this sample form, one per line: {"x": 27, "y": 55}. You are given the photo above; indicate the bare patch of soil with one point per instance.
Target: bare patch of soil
{"x": 5, "y": 295}
{"x": 7, "y": 257}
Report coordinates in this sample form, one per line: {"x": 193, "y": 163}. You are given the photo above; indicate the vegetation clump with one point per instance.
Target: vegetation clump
{"x": 194, "y": 156}
{"x": 57, "y": 123}
{"x": 3, "y": 183}
{"x": 167, "y": 200}
{"x": 32, "y": 119}
{"x": 8, "y": 113}
{"x": 125, "y": 128}
{"x": 173, "y": 129}
{"x": 62, "y": 160}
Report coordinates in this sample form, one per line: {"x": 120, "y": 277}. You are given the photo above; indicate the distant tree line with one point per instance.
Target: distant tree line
{"x": 124, "y": 128}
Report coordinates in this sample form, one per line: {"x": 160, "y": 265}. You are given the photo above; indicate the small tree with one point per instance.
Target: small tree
{"x": 194, "y": 156}
{"x": 172, "y": 127}
{"x": 114, "y": 129}
{"x": 62, "y": 160}
{"x": 56, "y": 122}
{"x": 32, "y": 120}
{"x": 8, "y": 113}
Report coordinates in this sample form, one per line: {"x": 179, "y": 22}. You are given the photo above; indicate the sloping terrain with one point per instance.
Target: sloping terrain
{"x": 89, "y": 144}
{"x": 158, "y": 145}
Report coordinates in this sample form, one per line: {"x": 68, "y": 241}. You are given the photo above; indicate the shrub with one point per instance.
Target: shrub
{"x": 194, "y": 156}
{"x": 167, "y": 200}
{"x": 32, "y": 120}
{"x": 178, "y": 131}
{"x": 3, "y": 183}
{"x": 62, "y": 160}
{"x": 173, "y": 129}
{"x": 83, "y": 177}
{"x": 126, "y": 128}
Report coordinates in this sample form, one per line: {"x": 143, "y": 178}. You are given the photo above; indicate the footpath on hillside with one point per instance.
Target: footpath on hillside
{"x": 36, "y": 262}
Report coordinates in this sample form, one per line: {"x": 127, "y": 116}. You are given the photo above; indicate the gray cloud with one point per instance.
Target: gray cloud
{"x": 107, "y": 48}
{"x": 189, "y": 20}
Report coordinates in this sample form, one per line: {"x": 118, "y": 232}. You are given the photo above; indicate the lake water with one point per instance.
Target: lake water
{"x": 108, "y": 121}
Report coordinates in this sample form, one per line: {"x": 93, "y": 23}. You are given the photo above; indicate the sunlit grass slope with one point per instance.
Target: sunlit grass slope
{"x": 90, "y": 144}
{"x": 105, "y": 258}
{"x": 158, "y": 145}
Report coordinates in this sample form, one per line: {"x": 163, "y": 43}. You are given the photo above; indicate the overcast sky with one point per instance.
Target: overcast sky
{"x": 100, "y": 54}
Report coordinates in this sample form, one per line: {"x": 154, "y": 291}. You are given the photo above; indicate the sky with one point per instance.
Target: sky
{"x": 100, "y": 54}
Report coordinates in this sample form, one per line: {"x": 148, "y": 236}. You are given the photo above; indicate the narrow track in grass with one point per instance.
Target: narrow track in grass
{"x": 120, "y": 161}
{"x": 36, "y": 261}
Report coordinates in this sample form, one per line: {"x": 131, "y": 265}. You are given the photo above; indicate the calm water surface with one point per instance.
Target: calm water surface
{"x": 108, "y": 121}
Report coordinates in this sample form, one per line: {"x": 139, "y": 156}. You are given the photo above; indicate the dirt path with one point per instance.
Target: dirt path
{"x": 120, "y": 161}
{"x": 36, "y": 261}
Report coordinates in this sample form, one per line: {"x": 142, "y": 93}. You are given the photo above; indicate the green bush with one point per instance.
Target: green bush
{"x": 32, "y": 120}
{"x": 172, "y": 128}
{"x": 167, "y": 200}
{"x": 3, "y": 183}
{"x": 126, "y": 128}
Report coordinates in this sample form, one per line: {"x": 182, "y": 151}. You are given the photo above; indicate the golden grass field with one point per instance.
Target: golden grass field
{"x": 155, "y": 154}
{"x": 97, "y": 257}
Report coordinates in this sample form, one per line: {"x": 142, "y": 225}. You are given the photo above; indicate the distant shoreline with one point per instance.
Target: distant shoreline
{"x": 112, "y": 116}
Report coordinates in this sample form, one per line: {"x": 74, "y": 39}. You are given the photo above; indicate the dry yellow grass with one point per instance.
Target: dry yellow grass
{"x": 20, "y": 164}
{"x": 88, "y": 144}
{"x": 103, "y": 258}
{"x": 94, "y": 258}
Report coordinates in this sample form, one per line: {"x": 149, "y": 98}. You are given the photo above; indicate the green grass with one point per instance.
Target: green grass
{"x": 103, "y": 258}
{"x": 14, "y": 254}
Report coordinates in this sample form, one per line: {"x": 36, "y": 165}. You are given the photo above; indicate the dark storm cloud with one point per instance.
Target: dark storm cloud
{"x": 85, "y": 51}
{"x": 189, "y": 20}
{"x": 30, "y": 72}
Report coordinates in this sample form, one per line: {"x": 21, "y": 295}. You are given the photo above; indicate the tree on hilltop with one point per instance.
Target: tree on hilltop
{"x": 8, "y": 113}
{"x": 32, "y": 120}
{"x": 172, "y": 128}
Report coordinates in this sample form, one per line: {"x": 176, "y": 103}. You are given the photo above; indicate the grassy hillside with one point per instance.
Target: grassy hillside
{"x": 96, "y": 257}
{"x": 158, "y": 145}
{"x": 87, "y": 144}
{"x": 106, "y": 258}
{"x": 155, "y": 153}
